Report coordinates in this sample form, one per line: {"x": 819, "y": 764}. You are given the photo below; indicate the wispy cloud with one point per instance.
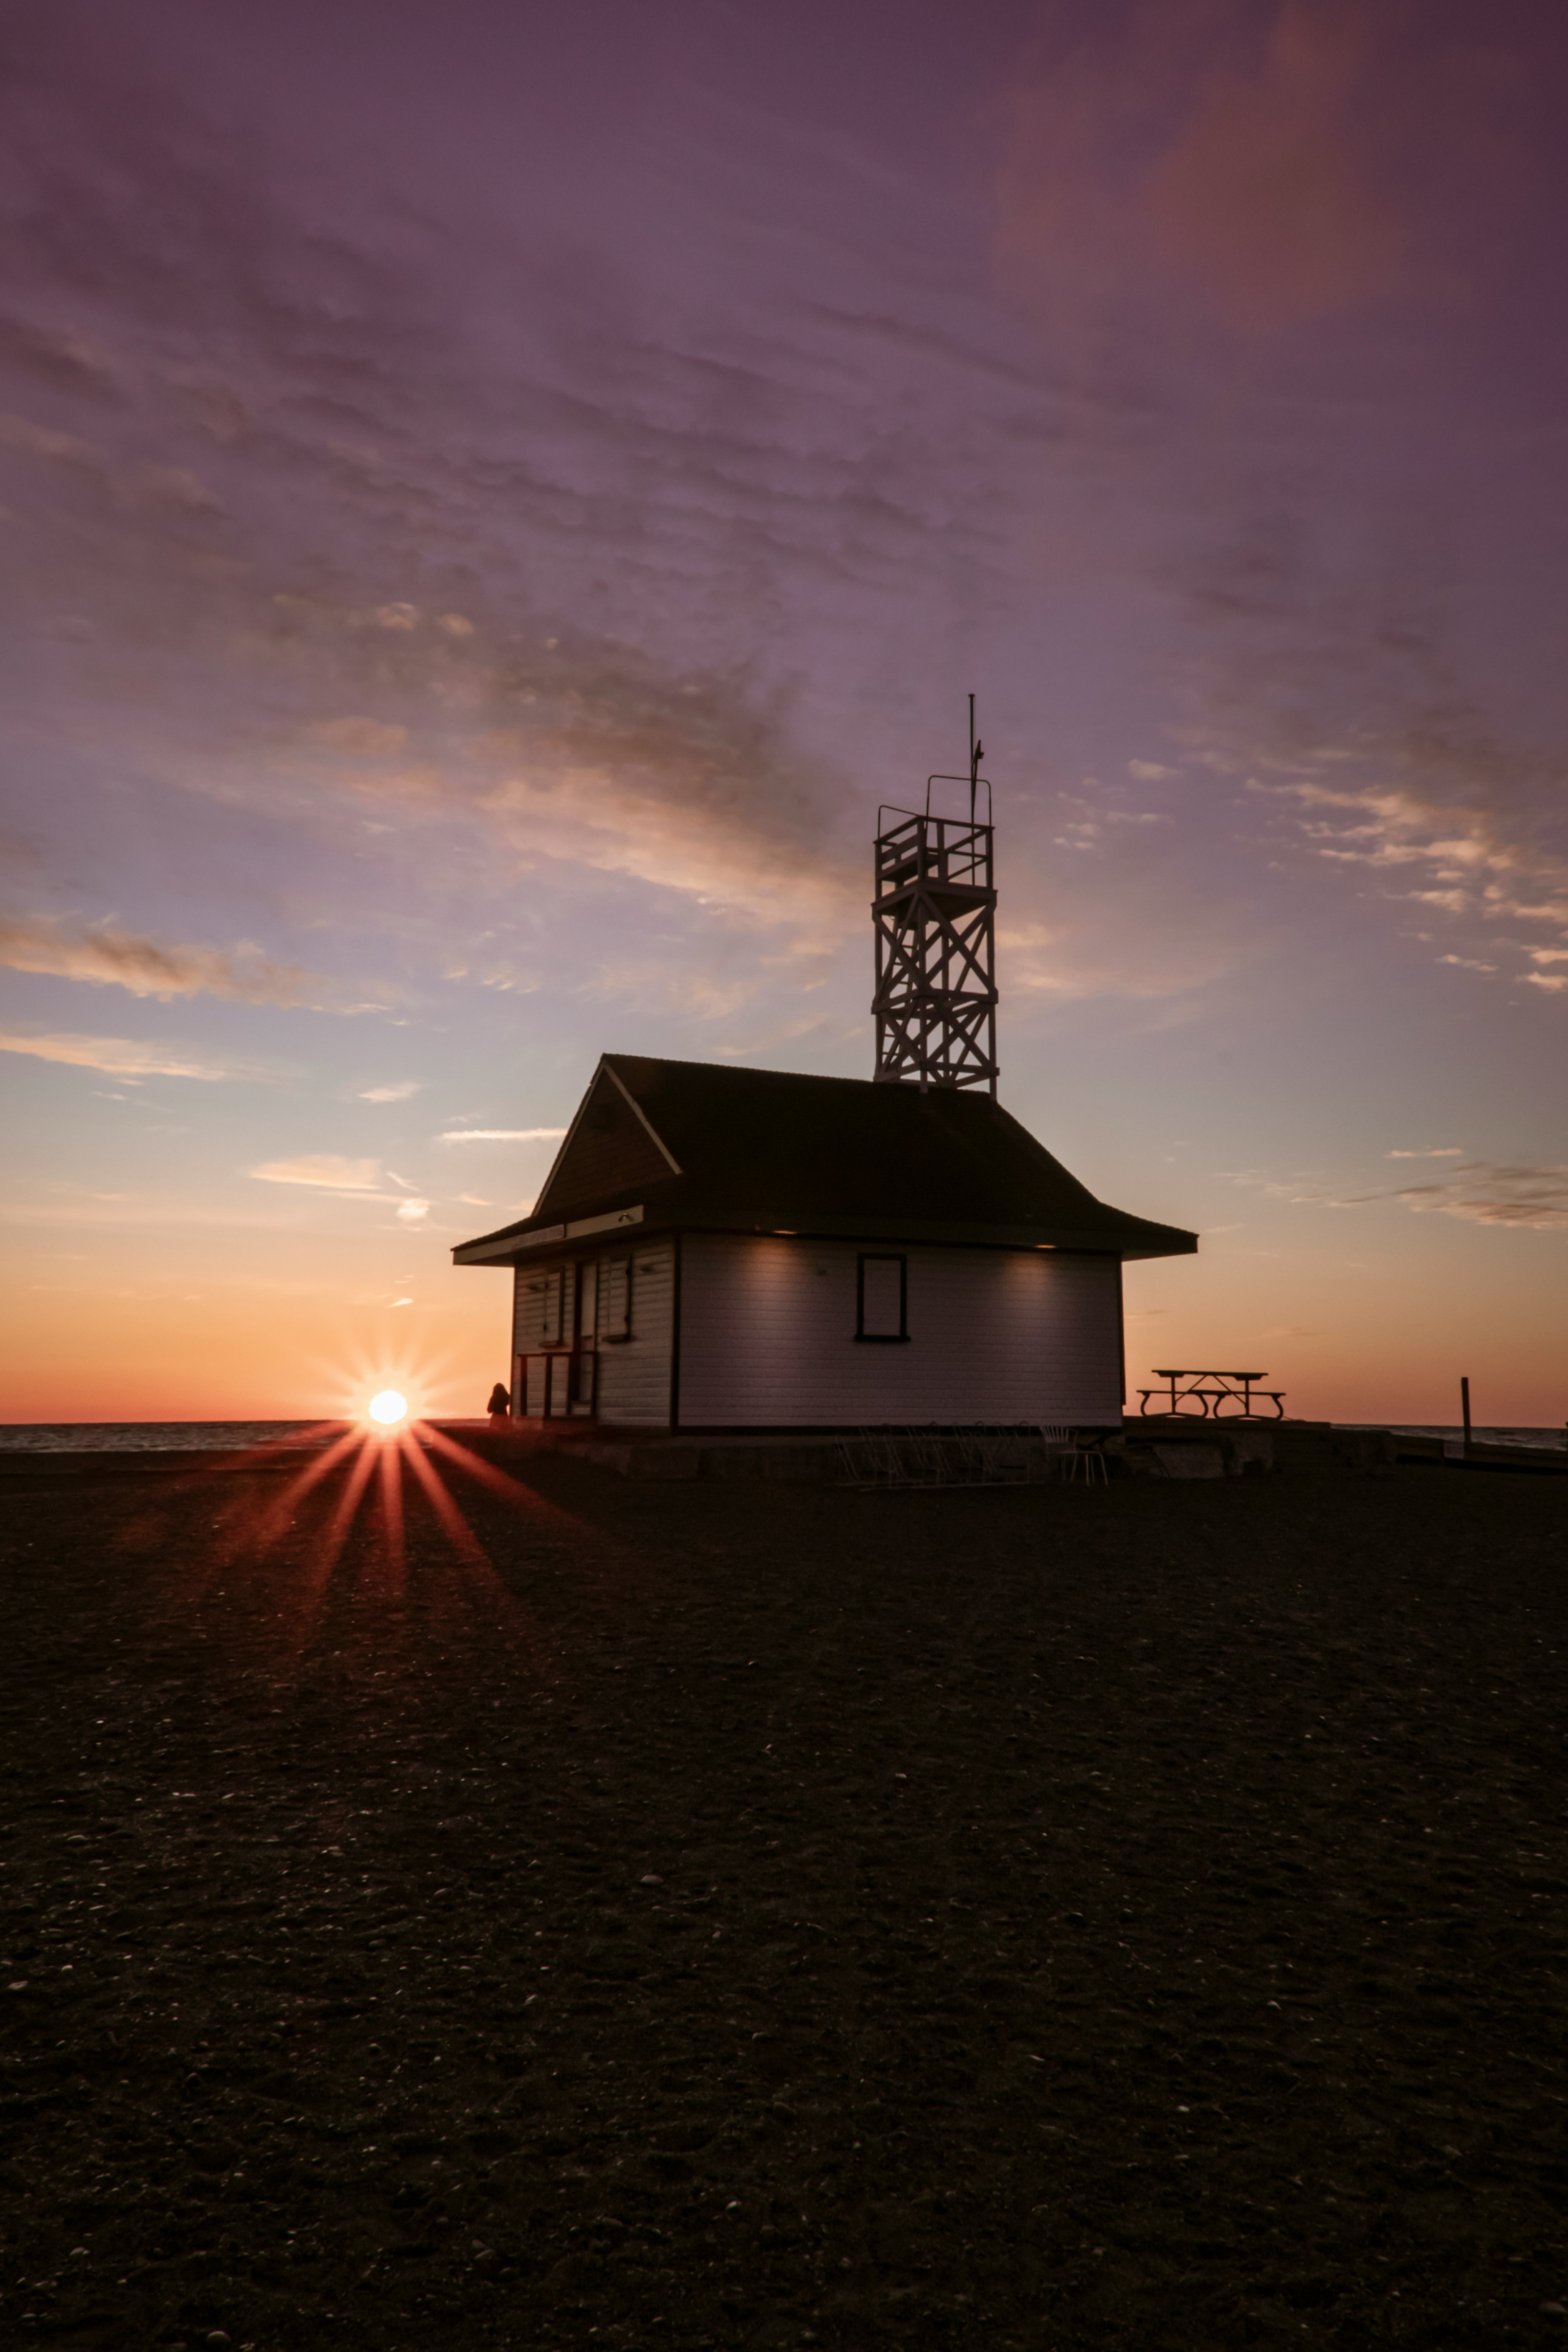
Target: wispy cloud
{"x": 1433, "y": 1151}
{"x": 125, "y": 1057}
{"x": 1481, "y": 855}
{"x": 1489, "y": 1192}
{"x": 501, "y": 1135}
{"x": 104, "y": 954}
{"x": 1476, "y": 827}
{"x": 327, "y": 1171}
{"x": 398, "y": 1093}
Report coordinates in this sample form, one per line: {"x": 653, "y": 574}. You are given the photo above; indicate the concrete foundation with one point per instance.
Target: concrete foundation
{"x": 1148, "y": 1446}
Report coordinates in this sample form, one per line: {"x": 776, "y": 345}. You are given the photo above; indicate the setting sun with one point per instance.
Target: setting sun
{"x": 387, "y": 1407}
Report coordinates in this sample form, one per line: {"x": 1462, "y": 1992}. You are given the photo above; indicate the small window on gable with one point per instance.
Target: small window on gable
{"x": 615, "y": 1298}
{"x": 883, "y": 1298}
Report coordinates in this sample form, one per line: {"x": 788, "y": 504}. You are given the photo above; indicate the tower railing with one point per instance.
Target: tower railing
{"x": 934, "y": 849}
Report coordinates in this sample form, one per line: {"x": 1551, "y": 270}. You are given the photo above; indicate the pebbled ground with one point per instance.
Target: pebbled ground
{"x": 758, "y": 1916}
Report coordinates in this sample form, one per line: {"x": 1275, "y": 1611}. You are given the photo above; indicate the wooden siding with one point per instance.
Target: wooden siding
{"x": 634, "y": 1374}
{"x": 767, "y": 1337}
{"x": 536, "y": 1309}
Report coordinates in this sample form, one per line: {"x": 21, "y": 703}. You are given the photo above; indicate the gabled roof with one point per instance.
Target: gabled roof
{"x": 700, "y": 1144}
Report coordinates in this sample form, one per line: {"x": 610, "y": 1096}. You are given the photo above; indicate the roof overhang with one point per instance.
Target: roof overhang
{"x": 508, "y": 1248}
{"x": 1135, "y": 1239}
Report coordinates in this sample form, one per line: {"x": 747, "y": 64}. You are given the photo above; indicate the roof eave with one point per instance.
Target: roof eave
{"x": 1119, "y": 1236}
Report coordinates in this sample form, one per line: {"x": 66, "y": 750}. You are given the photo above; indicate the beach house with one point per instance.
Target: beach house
{"x": 725, "y": 1249}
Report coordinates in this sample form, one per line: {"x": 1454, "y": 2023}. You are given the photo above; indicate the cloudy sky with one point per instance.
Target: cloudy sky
{"x": 491, "y": 499}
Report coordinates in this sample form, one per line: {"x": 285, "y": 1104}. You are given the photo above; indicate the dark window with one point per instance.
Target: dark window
{"x": 882, "y": 1297}
{"x": 535, "y": 1311}
{"x": 615, "y": 1298}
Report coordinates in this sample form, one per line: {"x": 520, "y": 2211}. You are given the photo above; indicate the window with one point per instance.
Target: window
{"x": 539, "y": 1310}
{"x": 615, "y": 1299}
{"x": 882, "y": 1298}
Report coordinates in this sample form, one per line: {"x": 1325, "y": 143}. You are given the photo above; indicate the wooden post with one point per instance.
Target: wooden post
{"x": 1465, "y": 1406}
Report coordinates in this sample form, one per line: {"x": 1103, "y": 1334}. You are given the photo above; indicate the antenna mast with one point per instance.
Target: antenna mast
{"x": 935, "y": 916}
{"x": 977, "y": 753}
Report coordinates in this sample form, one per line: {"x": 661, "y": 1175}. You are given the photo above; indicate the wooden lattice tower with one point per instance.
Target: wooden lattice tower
{"x": 935, "y": 913}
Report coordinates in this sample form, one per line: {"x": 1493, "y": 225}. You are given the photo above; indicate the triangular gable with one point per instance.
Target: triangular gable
{"x": 610, "y": 1146}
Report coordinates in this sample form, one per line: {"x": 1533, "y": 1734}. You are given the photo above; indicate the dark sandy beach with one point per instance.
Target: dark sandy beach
{"x": 746, "y": 1915}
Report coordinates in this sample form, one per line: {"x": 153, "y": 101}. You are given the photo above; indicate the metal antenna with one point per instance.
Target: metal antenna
{"x": 977, "y": 753}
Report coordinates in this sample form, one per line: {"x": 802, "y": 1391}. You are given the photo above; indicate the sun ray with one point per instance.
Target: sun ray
{"x": 513, "y": 1490}
{"x": 310, "y": 1435}
{"x": 391, "y": 1508}
{"x": 472, "y": 1553}
{"x": 297, "y": 1538}
{"x": 343, "y": 1516}
{"x": 444, "y": 1505}
{"x": 247, "y": 1537}
{"x": 309, "y": 1584}
{"x": 282, "y": 1506}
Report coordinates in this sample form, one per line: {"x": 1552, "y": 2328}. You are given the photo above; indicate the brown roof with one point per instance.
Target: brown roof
{"x": 700, "y": 1144}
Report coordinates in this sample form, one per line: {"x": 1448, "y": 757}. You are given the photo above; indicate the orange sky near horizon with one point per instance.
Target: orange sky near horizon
{"x": 1379, "y": 1332}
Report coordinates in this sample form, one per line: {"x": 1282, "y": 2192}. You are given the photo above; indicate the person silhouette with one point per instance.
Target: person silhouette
{"x": 500, "y": 1407}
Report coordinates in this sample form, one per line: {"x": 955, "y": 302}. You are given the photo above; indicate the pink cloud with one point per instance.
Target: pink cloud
{"x": 1267, "y": 198}
{"x": 1279, "y": 163}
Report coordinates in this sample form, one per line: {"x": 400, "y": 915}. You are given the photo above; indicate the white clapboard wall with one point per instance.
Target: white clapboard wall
{"x": 536, "y": 1316}
{"x": 767, "y": 1337}
{"x": 634, "y": 1374}
{"x": 634, "y": 1354}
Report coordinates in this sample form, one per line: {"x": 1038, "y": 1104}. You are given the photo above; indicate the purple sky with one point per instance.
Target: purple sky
{"x": 491, "y": 500}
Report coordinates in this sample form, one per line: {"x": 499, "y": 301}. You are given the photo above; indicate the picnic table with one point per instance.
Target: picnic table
{"x": 1229, "y": 1396}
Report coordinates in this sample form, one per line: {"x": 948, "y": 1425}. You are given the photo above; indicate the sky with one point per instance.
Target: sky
{"x": 493, "y": 498}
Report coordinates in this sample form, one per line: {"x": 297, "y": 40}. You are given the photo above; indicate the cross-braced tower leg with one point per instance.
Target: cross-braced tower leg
{"x": 935, "y": 916}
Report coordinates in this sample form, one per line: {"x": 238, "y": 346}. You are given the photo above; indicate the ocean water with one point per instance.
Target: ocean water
{"x": 162, "y": 1436}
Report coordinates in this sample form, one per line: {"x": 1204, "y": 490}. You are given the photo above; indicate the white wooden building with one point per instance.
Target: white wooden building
{"x": 720, "y": 1249}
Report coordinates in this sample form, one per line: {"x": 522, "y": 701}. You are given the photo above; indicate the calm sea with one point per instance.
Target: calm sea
{"x": 160, "y": 1436}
